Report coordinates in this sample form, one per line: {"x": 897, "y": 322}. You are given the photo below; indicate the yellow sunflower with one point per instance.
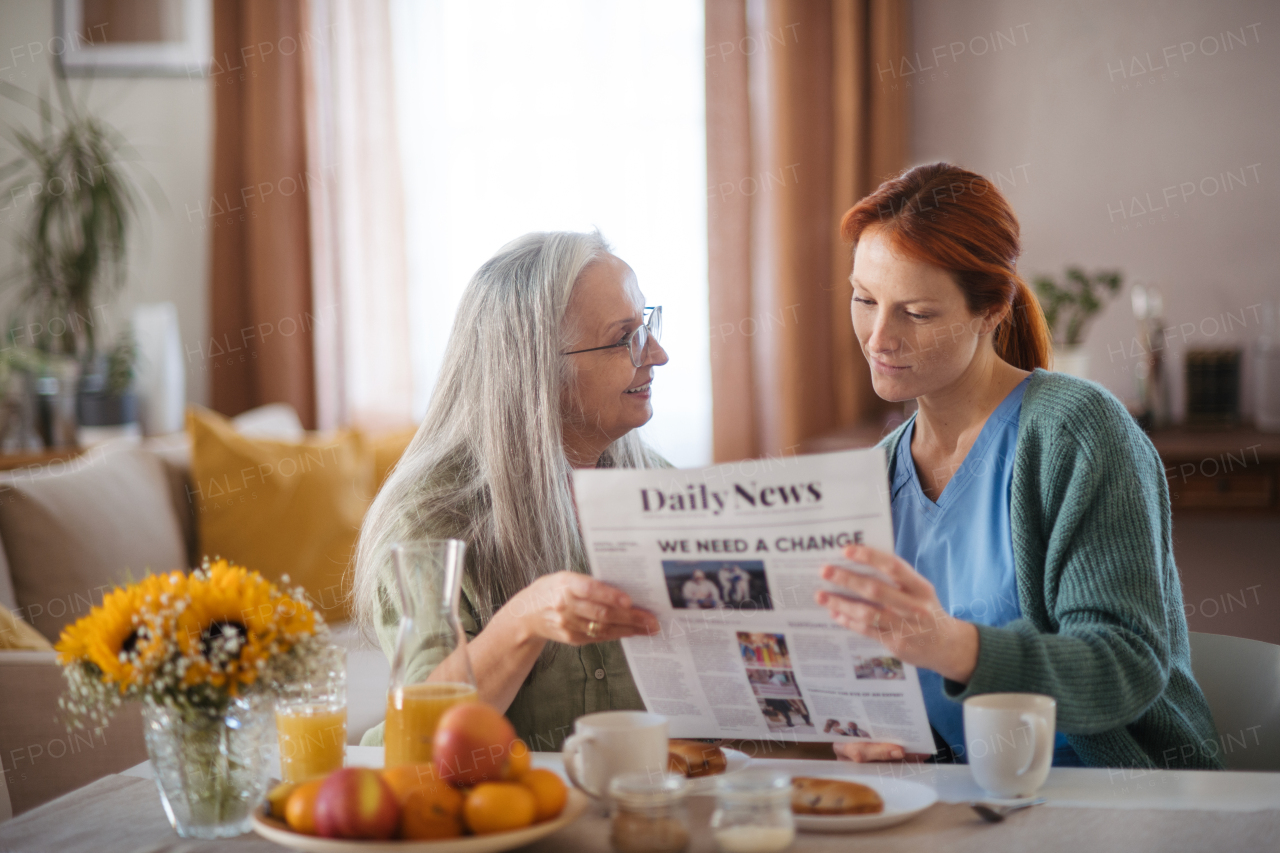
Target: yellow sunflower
{"x": 234, "y": 621}
{"x": 124, "y": 636}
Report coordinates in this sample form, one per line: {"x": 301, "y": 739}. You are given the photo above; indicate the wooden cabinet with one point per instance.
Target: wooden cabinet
{"x": 1221, "y": 470}
{"x": 1213, "y": 471}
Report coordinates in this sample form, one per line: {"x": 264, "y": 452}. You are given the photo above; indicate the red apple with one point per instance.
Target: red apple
{"x": 356, "y": 803}
{"x": 471, "y": 744}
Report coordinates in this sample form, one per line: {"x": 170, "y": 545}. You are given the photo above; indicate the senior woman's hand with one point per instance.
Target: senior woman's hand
{"x": 576, "y": 609}
{"x": 564, "y": 607}
{"x": 902, "y": 612}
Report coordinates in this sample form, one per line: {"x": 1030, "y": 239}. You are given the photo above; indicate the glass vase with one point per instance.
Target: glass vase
{"x": 211, "y": 769}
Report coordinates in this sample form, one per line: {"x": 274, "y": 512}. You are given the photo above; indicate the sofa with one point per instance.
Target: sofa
{"x": 70, "y": 531}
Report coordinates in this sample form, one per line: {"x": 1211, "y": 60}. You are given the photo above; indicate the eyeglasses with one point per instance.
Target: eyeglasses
{"x": 638, "y": 339}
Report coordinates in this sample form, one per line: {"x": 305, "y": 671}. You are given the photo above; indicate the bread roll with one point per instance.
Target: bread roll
{"x": 693, "y": 758}
{"x": 811, "y": 795}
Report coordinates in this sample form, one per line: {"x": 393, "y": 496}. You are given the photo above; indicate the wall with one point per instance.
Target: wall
{"x": 1113, "y": 128}
{"x": 1087, "y": 114}
{"x": 168, "y": 120}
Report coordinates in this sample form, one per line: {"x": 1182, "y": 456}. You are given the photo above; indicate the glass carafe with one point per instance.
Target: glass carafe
{"x": 430, "y": 671}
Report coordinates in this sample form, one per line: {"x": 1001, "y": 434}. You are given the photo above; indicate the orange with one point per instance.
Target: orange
{"x": 549, "y": 793}
{"x": 407, "y": 778}
{"x": 300, "y": 808}
{"x": 498, "y": 807}
{"x": 432, "y": 811}
{"x": 519, "y": 759}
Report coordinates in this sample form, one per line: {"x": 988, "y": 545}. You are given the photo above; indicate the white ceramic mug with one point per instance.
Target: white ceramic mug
{"x": 1009, "y": 741}
{"x": 610, "y": 743}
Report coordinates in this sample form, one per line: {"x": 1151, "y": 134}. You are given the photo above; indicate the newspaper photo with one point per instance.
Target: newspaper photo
{"x": 728, "y": 558}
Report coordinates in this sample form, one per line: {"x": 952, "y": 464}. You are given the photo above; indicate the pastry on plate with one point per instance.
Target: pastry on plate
{"x": 693, "y": 758}
{"x": 812, "y": 795}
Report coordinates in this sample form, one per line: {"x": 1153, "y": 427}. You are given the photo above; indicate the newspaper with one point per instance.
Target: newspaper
{"x": 728, "y": 558}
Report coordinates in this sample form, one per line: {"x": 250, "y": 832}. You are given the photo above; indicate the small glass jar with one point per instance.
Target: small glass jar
{"x": 753, "y": 813}
{"x": 649, "y": 813}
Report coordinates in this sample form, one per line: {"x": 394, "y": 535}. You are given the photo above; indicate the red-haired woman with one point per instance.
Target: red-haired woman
{"x": 1031, "y": 514}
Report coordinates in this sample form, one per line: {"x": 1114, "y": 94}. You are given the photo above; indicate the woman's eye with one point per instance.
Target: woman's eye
{"x": 917, "y": 316}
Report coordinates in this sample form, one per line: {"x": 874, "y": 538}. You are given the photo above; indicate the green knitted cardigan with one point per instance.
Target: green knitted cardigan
{"x": 1102, "y": 629}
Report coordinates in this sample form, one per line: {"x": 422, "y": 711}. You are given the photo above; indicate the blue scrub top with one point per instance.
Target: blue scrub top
{"x": 963, "y": 544}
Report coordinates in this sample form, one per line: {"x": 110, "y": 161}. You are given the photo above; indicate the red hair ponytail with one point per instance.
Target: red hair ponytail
{"x": 957, "y": 220}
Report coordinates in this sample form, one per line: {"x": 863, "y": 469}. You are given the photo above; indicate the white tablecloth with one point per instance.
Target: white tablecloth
{"x": 1067, "y": 787}
{"x": 1087, "y": 810}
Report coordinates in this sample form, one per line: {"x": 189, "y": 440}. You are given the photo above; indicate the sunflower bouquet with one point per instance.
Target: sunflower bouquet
{"x": 207, "y": 654}
{"x": 193, "y": 643}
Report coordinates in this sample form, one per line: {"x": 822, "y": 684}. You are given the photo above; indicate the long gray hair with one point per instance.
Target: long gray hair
{"x": 488, "y": 464}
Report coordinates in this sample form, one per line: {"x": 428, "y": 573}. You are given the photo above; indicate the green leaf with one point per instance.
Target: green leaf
{"x": 1068, "y": 307}
{"x": 74, "y": 242}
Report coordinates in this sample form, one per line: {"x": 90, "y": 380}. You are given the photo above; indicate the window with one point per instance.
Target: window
{"x": 561, "y": 114}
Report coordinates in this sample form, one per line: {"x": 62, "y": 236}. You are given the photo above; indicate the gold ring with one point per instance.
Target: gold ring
{"x": 593, "y": 629}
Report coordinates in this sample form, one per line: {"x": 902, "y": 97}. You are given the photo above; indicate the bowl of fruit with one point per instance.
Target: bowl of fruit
{"x": 479, "y": 794}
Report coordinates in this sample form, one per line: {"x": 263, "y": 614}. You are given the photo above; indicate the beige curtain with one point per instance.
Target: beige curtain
{"x": 261, "y": 319}
{"x": 799, "y": 127}
{"x": 308, "y": 284}
{"x": 357, "y": 214}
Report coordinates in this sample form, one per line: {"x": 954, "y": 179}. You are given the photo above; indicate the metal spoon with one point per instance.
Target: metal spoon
{"x": 995, "y": 814}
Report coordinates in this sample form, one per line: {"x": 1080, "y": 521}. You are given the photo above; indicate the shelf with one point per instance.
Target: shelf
{"x": 11, "y": 461}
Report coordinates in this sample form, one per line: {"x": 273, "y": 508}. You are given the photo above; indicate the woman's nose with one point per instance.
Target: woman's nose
{"x": 881, "y": 338}
{"x": 654, "y": 354}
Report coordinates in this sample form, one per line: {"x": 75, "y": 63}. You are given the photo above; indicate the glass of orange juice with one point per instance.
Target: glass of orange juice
{"x": 430, "y": 672}
{"x": 311, "y": 721}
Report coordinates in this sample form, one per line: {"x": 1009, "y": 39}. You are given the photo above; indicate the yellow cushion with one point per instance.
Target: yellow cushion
{"x": 16, "y": 634}
{"x": 282, "y": 507}
{"x": 387, "y": 450}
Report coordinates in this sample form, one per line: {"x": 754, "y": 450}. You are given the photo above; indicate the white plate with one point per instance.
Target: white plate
{"x": 274, "y": 830}
{"x": 903, "y": 800}
{"x": 734, "y": 761}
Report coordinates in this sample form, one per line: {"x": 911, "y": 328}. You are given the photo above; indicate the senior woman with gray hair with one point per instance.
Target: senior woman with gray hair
{"x": 548, "y": 368}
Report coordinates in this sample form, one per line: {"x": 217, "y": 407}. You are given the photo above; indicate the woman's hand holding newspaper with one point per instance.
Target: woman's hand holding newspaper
{"x": 899, "y": 609}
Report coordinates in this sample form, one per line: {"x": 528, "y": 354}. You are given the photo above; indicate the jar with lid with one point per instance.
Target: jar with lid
{"x": 650, "y": 814}
{"x": 753, "y": 813}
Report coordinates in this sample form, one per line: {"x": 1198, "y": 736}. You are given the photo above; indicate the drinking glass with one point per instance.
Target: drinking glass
{"x": 311, "y": 721}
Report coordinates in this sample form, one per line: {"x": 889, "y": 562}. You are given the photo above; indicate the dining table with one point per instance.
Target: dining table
{"x": 1085, "y": 809}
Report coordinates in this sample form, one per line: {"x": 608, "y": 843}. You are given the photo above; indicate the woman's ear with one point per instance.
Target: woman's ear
{"x": 991, "y": 320}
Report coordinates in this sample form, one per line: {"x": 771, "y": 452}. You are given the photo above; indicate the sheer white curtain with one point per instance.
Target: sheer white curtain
{"x": 561, "y": 114}
{"x": 354, "y": 186}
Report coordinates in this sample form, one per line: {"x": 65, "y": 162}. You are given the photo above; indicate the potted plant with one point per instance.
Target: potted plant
{"x": 74, "y": 173}
{"x": 1068, "y": 308}
{"x": 106, "y": 392}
